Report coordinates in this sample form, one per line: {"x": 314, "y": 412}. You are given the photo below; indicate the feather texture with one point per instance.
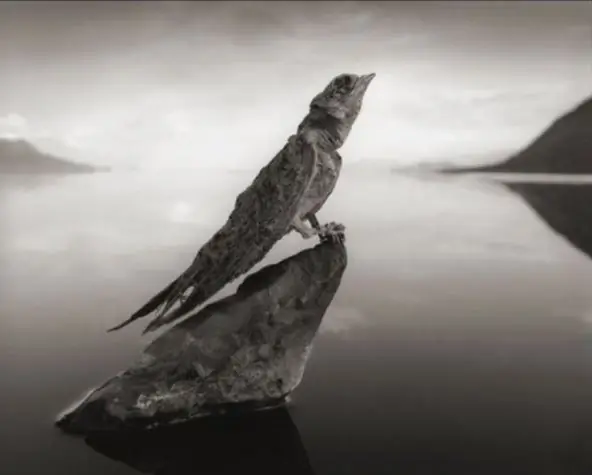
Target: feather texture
{"x": 295, "y": 184}
{"x": 261, "y": 216}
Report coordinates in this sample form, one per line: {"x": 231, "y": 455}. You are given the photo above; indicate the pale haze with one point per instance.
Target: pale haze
{"x": 180, "y": 84}
{"x": 459, "y": 339}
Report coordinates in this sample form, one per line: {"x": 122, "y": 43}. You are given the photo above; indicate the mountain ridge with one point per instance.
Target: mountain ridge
{"x": 564, "y": 147}
{"x": 18, "y": 156}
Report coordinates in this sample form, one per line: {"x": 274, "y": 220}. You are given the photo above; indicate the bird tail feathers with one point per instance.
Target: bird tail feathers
{"x": 165, "y": 299}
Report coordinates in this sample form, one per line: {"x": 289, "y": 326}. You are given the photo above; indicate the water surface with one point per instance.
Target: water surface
{"x": 459, "y": 341}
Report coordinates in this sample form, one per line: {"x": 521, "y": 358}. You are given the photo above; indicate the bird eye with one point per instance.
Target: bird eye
{"x": 344, "y": 82}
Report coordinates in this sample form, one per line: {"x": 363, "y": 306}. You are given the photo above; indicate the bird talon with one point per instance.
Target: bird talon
{"x": 333, "y": 232}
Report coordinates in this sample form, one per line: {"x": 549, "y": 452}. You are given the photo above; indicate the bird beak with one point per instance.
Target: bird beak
{"x": 364, "y": 81}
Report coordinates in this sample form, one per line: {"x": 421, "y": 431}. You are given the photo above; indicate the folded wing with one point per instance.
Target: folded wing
{"x": 261, "y": 216}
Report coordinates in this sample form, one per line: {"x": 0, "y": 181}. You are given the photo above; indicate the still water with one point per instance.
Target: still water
{"x": 460, "y": 341}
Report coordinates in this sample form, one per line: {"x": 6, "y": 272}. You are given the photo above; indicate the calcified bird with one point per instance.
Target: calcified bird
{"x": 286, "y": 194}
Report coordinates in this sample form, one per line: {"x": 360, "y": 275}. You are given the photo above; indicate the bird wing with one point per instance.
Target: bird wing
{"x": 338, "y": 161}
{"x": 262, "y": 215}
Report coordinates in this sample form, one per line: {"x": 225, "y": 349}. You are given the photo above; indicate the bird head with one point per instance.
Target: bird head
{"x": 334, "y": 110}
{"x": 343, "y": 96}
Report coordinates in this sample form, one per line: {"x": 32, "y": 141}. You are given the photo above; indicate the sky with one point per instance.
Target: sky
{"x": 223, "y": 84}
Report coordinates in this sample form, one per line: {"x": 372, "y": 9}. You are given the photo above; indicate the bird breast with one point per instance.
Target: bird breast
{"x": 322, "y": 184}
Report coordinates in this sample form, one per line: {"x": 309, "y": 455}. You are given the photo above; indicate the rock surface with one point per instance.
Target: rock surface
{"x": 566, "y": 208}
{"x": 247, "y": 351}
{"x": 565, "y": 147}
{"x": 266, "y": 443}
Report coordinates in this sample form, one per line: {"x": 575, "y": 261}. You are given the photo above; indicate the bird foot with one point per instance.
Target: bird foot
{"x": 334, "y": 232}
{"x": 305, "y": 232}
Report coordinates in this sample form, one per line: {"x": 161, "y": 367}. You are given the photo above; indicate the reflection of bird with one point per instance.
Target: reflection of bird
{"x": 287, "y": 192}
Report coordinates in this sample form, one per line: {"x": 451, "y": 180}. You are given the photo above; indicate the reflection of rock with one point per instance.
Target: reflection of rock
{"x": 247, "y": 351}
{"x": 263, "y": 443}
{"x": 340, "y": 320}
{"x": 565, "y": 147}
{"x": 567, "y": 208}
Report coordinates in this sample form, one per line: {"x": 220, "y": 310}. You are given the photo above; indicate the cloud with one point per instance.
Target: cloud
{"x": 13, "y": 126}
{"x": 440, "y": 121}
{"x": 240, "y": 124}
{"x": 79, "y": 136}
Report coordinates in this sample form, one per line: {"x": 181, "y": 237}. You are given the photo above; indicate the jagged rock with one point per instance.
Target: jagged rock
{"x": 247, "y": 351}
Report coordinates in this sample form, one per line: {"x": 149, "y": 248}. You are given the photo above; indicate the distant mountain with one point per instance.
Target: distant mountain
{"x": 433, "y": 166}
{"x": 565, "y": 147}
{"x": 21, "y": 157}
{"x": 452, "y": 164}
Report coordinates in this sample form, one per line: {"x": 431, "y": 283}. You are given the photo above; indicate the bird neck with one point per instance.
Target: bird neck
{"x": 324, "y": 130}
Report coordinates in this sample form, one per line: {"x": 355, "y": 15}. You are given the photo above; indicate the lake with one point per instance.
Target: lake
{"x": 460, "y": 340}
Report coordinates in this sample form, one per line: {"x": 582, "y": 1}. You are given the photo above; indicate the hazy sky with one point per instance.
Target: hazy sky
{"x": 175, "y": 84}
